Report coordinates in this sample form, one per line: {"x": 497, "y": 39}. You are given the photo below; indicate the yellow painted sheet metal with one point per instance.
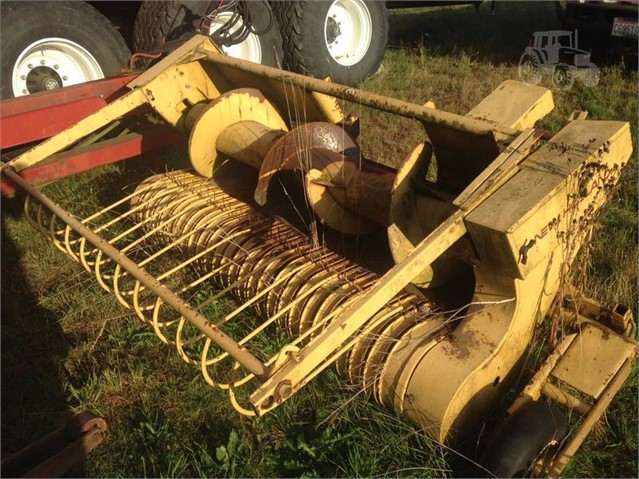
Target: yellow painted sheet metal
{"x": 593, "y": 360}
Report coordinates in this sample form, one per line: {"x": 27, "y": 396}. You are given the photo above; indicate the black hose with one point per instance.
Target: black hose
{"x": 244, "y": 16}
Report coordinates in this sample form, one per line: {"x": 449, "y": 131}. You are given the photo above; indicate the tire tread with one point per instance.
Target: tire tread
{"x": 301, "y": 52}
{"x": 77, "y": 21}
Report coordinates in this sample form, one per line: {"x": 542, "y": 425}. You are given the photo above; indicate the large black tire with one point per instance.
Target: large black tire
{"x": 521, "y": 438}
{"x": 75, "y": 23}
{"x": 158, "y": 22}
{"x": 304, "y": 30}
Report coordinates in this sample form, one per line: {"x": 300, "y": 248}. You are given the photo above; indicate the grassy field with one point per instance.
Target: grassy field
{"x": 67, "y": 345}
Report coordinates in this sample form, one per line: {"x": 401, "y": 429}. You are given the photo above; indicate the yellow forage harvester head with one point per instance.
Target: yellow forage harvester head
{"x": 432, "y": 322}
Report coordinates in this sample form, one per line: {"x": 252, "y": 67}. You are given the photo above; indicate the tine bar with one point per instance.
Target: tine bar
{"x": 228, "y": 344}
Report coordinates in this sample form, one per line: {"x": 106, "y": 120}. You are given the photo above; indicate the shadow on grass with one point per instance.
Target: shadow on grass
{"x": 33, "y": 344}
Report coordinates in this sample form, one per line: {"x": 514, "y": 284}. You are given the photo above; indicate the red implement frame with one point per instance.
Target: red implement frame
{"x": 36, "y": 117}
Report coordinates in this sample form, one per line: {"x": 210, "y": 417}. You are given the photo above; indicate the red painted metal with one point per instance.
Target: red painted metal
{"x": 108, "y": 89}
{"x": 40, "y": 124}
{"x": 99, "y": 154}
{"x": 31, "y": 118}
{"x": 41, "y": 115}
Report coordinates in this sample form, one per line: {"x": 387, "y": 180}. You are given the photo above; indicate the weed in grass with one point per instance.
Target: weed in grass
{"x": 88, "y": 395}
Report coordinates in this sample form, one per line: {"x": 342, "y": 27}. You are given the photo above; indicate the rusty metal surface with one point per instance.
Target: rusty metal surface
{"x": 55, "y": 454}
{"x": 348, "y": 192}
{"x": 305, "y": 147}
{"x": 380, "y": 102}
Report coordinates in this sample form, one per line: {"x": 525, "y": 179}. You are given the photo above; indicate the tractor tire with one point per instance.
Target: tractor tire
{"x": 159, "y": 22}
{"x": 530, "y": 68}
{"x": 342, "y": 39}
{"x": 522, "y": 438}
{"x": 48, "y": 45}
{"x": 562, "y": 77}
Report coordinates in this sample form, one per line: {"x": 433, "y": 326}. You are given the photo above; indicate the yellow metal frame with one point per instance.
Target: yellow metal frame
{"x": 592, "y": 362}
{"x": 517, "y": 237}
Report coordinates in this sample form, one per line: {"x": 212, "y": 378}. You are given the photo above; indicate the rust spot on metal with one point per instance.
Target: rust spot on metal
{"x": 304, "y": 148}
{"x": 463, "y": 343}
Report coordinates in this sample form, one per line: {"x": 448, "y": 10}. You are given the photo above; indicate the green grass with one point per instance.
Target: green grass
{"x": 67, "y": 345}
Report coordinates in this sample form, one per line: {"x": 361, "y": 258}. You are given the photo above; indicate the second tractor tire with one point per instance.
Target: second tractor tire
{"x": 312, "y": 32}
{"x": 158, "y": 22}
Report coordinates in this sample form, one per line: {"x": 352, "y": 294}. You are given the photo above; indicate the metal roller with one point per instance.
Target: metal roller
{"x": 266, "y": 265}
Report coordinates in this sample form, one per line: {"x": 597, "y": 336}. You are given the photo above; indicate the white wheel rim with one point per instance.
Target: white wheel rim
{"x": 348, "y": 31}
{"x": 250, "y": 49}
{"x": 53, "y": 63}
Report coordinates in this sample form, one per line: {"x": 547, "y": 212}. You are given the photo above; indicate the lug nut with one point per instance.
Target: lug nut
{"x": 23, "y": 77}
{"x": 24, "y": 91}
{"x": 65, "y": 78}
{"x": 56, "y": 66}
{"x": 29, "y": 66}
{"x": 42, "y": 62}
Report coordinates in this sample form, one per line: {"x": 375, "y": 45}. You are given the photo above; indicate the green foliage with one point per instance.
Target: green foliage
{"x": 230, "y": 455}
{"x": 308, "y": 452}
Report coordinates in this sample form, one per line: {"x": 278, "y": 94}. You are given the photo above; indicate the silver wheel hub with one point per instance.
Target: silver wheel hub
{"x": 348, "y": 31}
{"x": 52, "y": 63}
